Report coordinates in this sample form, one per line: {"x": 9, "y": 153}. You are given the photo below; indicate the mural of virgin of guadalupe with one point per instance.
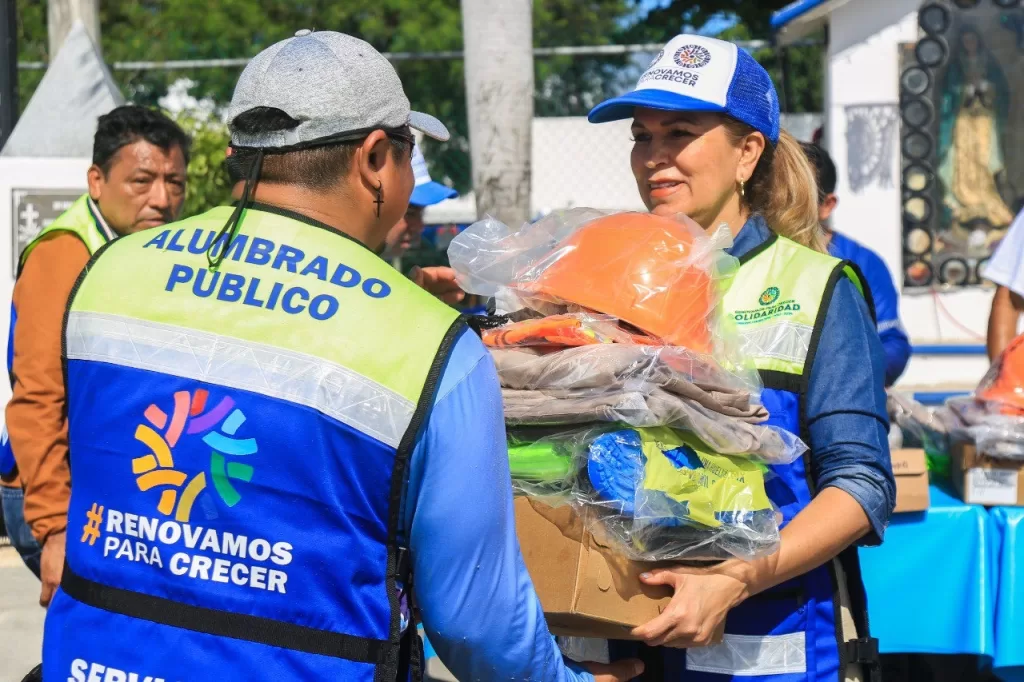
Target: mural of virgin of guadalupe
{"x": 975, "y": 103}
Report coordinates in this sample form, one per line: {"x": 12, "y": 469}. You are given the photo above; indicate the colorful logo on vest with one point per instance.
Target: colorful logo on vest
{"x": 769, "y": 296}
{"x": 692, "y": 56}
{"x": 217, "y": 427}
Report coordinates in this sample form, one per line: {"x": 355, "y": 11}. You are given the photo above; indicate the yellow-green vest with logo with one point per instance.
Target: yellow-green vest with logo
{"x": 239, "y": 441}
{"x": 79, "y": 221}
{"x": 777, "y": 303}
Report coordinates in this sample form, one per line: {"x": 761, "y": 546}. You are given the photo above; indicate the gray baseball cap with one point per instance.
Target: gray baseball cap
{"x": 333, "y": 83}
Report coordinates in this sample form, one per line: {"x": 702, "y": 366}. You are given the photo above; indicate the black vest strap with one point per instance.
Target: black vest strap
{"x": 654, "y": 663}
{"x": 781, "y": 381}
{"x": 221, "y": 623}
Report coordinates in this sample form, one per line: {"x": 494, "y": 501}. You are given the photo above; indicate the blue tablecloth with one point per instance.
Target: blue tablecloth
{"x": 946, "y": 581}
{"x": 1009, "y": 625}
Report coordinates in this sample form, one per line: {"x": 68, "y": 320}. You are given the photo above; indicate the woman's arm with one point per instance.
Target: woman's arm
{"x": 704, "y": 596}
{"x": 847, "y": 425}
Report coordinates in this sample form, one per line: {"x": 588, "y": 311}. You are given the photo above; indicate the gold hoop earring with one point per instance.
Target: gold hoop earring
{"x": 743, "y": 189}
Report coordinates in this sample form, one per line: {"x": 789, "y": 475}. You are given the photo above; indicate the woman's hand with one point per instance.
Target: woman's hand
{"x": 703, "y": 597}
{"x": 695, "y": 617}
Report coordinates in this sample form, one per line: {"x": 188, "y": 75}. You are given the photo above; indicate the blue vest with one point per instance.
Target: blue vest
{"x": 791, "y": 633}
{"x": 239, "y": 442}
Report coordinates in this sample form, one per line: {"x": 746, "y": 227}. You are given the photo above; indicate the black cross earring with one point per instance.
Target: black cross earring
{"x": 380, "y": 197}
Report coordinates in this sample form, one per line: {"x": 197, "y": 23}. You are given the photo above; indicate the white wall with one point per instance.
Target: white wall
{"x": 37, "y": 174}
{"x": 864, "y": 69}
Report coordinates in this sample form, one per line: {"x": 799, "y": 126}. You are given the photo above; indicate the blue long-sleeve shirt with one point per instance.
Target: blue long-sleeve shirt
{"x": 479, "y": 608}
{"x": 887, "y": 302}
{"x": 845, "y": 401}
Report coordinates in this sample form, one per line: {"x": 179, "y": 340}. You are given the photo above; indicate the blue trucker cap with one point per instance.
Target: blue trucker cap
{"x": 427, "y": 192}
{"x": 697, "y": 73}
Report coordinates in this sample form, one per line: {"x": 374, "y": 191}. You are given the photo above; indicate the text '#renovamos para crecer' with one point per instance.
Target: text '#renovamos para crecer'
{"x": 252, "y": 291}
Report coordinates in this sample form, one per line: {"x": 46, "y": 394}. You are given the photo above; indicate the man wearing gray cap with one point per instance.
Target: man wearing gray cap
{"x": 272, "y": 432}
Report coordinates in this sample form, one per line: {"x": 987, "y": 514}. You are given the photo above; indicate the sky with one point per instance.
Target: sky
{"x": 715, "y": 26}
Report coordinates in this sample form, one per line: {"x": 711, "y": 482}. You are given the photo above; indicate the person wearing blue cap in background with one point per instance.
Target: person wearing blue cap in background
{"x": 407, "y": 231}
{"x": 437, "y": 279}
{"x": 883, "y": 292}
{"x": 707, "y": 144}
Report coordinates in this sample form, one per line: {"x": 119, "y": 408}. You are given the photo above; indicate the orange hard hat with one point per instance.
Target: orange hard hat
{"x": 641, "y": 268}
{"x": 1004, "y": 383}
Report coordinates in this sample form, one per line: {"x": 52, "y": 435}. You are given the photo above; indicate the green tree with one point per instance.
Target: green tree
{"x": 208, "y": 182}
{"x": 199, "y": 29}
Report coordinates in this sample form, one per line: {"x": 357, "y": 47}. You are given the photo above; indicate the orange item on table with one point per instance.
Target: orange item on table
{"x": 569, "y": 330}
{"x": 637, "y": 267}
{"x": 1004, "y": 384}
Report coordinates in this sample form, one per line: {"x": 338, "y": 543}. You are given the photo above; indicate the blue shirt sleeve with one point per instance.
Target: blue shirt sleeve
{"x": 895, "y": 343}
{"x": 478, "y": 604}
{"x": 845, "y": 410}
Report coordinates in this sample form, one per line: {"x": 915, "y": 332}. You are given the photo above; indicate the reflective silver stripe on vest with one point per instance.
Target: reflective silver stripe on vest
{"x": 751, "y": 656}
{"x": 306, "y": 380}
{"x": 779, "y": 341}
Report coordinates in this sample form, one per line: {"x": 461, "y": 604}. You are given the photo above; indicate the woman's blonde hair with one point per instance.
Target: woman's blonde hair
{"x": 783, "y": 188}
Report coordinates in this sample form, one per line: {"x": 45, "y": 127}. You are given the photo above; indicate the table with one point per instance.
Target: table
{"x": 947, "y": 581}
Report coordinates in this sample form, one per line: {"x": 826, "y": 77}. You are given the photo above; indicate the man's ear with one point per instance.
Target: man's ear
{"x": 372, "y": 156}
{"x": 95, "y": 177}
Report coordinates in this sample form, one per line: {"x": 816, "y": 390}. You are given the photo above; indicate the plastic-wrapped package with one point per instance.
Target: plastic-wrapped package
{"x": 994, "y": 416}
{"x": 609, "y": 367}
{"x": 662, "y": 276}
{"x": 661, "y": 494}
{"x": 559, "y": 331}
{"x": 728, "y": 435}
{"x": 931, "y": 427}
{"x": 1002, "y": 387}
{"x": 542, "y": 467}
{"x": 995, "y": 433}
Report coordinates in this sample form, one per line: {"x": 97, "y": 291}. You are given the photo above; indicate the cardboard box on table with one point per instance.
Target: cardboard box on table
{"x": 984, "y": 480}
{"x": 910, "y": 468}
{"x": 585, "y": 587}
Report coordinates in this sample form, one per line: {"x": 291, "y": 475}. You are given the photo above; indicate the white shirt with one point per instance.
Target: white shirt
{"x": 1006, "y": 267}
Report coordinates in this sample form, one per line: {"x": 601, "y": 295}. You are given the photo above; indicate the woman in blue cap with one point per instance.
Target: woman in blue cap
{"x": 707, "y": 144}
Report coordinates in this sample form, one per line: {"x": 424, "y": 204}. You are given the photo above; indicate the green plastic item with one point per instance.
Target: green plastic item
{"x": 542, "y": 462}
{"x": 938, "y": 464}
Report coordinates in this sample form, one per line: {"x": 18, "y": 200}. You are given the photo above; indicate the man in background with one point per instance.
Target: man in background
{"x": 1006, "y": 270}
{"x": 136, "y": 182}
{"x": 407, "y": 232}
{"x": 883, "y": 291}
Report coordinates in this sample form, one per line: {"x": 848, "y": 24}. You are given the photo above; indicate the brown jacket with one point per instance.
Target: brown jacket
{"x": 36, "y": 418}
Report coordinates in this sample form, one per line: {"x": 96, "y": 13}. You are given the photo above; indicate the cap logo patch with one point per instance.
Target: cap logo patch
{"x": 692, "y": 56}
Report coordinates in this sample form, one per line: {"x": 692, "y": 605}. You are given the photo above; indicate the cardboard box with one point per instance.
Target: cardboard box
{"x": 983, "y": 480}
{"x": 586, "y": 589}
{"x": 911, "y": 470}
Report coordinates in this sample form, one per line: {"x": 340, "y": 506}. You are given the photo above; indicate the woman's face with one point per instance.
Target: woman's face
{"x": 686, "y": 162}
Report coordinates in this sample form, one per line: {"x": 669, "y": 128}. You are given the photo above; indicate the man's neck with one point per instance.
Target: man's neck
{"x": 336, "y": 213}
{"x": 104, "y": 224}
